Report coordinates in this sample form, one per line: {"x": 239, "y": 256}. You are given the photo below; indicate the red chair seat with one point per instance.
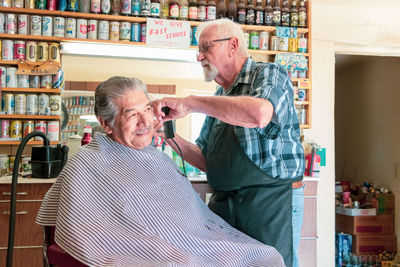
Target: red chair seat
{"x": 59, "y": 257}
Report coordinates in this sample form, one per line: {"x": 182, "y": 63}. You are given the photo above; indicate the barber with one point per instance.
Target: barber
{"x": 249, "y": 145}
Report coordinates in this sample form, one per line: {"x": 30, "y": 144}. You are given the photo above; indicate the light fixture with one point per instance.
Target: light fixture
{"x": 88, "y": 48}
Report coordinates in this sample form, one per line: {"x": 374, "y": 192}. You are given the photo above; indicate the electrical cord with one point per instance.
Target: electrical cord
{"x": 181, "y": 155}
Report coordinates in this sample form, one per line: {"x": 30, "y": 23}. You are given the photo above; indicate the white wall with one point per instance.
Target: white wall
{"x": 348, "y": 27}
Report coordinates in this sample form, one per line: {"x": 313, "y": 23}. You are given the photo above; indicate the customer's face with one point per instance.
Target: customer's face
{"x": 133, "y": 125}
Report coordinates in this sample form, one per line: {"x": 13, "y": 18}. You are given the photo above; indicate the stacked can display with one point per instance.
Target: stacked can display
{"x": 17, "y": 129}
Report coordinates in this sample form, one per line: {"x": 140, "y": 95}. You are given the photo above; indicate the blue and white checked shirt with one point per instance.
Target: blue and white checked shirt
{"x": 276, "y": 148}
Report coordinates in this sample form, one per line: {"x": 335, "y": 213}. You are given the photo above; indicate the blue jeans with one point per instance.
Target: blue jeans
{"x": 297, "y": 221}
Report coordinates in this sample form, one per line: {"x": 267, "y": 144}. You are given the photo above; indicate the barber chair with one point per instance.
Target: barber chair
{"x": 53, "y": 255}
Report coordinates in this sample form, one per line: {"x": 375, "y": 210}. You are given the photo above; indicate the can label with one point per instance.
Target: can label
{"x": 46, "y": 81}
{"x": 143, "y": 33}
{"x": 103, "y": 30}
{"x": 5, "y": 128}
{"x": 20, "y": 104}
{"x": 43, "y": 51}
{"x": 155, "y": 10}
{"x": 59, "y": 26}
{"x": 105, "y": 6}
{"x": 42, "y": 127}
{"x": 264, "y": 39}
{"x": 7, "y": 48}
{"x": 32, "y": 104}
{"x": 9, "y": 102}
{"x": 125, "y": 33}
{"x": 51, "y": 4}
{"x": 53, "y": 130}
{"x": 36, "y": 25}
{"x": 44, "y": 105}
{"x": 2, "y": 23}
{"x": 303, "y": 45}
{"x": 283, "y": 44}
{"x": 54, "y": 52}
{"x": 23, "y": 24}
{"x": 254, "y": 40}
{"x": 72, "y": 5}
{"x": 23, "y": 81}
{"x": 26, "y": 166}
{"x": 92, "y": 29}
{"x": 29, "y": 126}
{"x": 55, "y": 105}
{"x": 34, "y": 81}
{"x": 16, "y": 129}
{"x": 135, "y": 7}
{"x": 19, "y": 50}
{"x": 114, "y": 31}
{"x": 11, "y": 23}
{"x": 125, "y": 7}
{"x": 11, "y": 78}
{"x": 4, "y": 164}
{"x": 81, "y": 28}
{"x": 135, "y": 32}
{"x": 70, "y": 28}
{"x": 95, "y": 6}
{"x": 47, "y": 26}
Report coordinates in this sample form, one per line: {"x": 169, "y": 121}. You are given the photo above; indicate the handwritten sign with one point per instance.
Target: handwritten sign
{"x": 171, "y": 33}
{"x": 46, "y": 68}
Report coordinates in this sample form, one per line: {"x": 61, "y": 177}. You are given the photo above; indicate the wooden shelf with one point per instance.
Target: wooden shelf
{"x": 301, "y": 102}
{"x": 305, "y": 126}
{"x": 32, "y": 90}
{"x": 29, "y": 143}
{"x": 80, "y": 106}
{"x": 15, "y": 62}
{"x": 30, "y": 37}
{"x": 29, "y": 117}
{"x": 30, "y": 11}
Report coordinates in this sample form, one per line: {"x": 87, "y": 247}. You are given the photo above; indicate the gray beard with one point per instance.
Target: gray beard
{"x": 210, "y": 73}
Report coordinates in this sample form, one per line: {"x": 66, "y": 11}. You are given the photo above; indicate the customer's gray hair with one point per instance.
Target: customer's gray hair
{"x": 107, "y": 92}
{"x": 225, "y": 29}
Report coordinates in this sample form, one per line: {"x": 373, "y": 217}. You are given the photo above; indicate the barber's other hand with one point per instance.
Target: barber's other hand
{"x": 177, "y": 106}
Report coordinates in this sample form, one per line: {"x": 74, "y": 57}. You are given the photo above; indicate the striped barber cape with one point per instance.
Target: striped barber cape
{"x": 117, "y": 206}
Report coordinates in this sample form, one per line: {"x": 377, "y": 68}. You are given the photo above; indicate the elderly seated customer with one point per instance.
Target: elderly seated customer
{"x": 121, "y": 202}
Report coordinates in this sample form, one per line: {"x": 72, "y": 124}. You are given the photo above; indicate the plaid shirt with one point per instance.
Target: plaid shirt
{"x": 276, "y": 148}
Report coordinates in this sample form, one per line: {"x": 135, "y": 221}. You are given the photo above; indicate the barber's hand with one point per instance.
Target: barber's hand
{"x": 157, "y": 129}
{"x": 177, "y": 106}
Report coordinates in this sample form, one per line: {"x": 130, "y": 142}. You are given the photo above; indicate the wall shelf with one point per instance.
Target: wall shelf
{"x": 29, "y": 117}
{"x": 32, "y": 90}
{"x": 30, "y": 37}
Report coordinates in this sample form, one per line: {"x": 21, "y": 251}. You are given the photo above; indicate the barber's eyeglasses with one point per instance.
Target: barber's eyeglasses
{"x": 207, "y": 45}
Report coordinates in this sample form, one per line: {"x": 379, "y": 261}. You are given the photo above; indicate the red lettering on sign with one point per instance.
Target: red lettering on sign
{"x": 158, "y": 21}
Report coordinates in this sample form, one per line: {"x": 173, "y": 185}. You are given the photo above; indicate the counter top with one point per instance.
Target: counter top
{"x": 7, "y": 180}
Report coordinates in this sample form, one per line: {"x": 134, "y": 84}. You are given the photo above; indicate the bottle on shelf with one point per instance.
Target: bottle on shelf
{"x": 250, "y": 16}
{"x": 87, "y": 135}
{"x": 294, "y": 14}
{"x": 155, "y": 8}
{"x": 173, "y": 9}
{"x": 302, "y": 14}
{"x": 211, "y": 10}
{"x": 285, "y": 15}
{"x": 202, "y": 11}
{"x": 184, "y": 10}
{"x": 115, "y": 7}
{"x": 241, "y": 12}
{"x": 232, "y": 10}
{"x": 259, "y": 13}
{"x": 193, "y": 10}
{"x": 268, "y": 14}
{"x": 221, "y": 10}
{"x": 164, "y": 9}
{"x": 276, "y": 14}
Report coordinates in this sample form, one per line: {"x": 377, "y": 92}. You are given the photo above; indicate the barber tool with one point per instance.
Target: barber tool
{"x": 168, "y": 125}
{"x": 47, "y": 162}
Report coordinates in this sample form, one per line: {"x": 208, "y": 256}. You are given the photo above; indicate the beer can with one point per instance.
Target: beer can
{"x": 11, "y": 160}
{"x": 23, "y": 24}
{"x": 6, "y": 3}
{"x": 95, "y": 6}
{"x": 9, "y": 102}
{"x": 42, "y": 127}
{"x": 143, "y": 33}
{"x": 125, "y": 31}
{"x": 194, "y": 40}
{"x": 25, "y": 165}
{"x": 32, "y": 102}
{"x": 43, "y": 51}
{"x": 28, "y": 127}
{"x": 115, "y": 7}
{"x": 135, "y": 32}
{"x": 84, "y": 6}
{"x": 41, "y": 4}
{"x": 92, "y": 29}
{"x": 20, "y": 104}
{"x": 62, "y": 5}
{"x": 51, "y": 4}
{"x": 7, "y": 50}
{"x": 16, "y": 129}
{"x": 19, "y": 50}
{"x": 105, "y": 6}
{"x": 0, "y": 50}
{"x": 30, "y": 4}
{"x": 73, "y": 5}
{"x": 5, "y": 128}
{"x": 46, "y": 81}
{"x": 70, "y": 28}
{"x": 58, "y": 79}
{"x": 114, "y": 31}
{"x": 34, "y": 81}
{"x": 254, "y": 40}
{"x": 11, "y": 79}
{"x": 11, "y": 22}
{"x": 31, "y": 51}
{"x": 36, "y": 25}
{"x": 55, "y": 104}
{"x": 3, "y": 76}
{"x": 3, "y": 23}
{"x": 59, "y": 26}
{"x": 302, "y": 45}
{"x": 283, "y": 44}
{"x": 53, "y": 130}
{"x": 264, "y": 40}
{"x": 4, "y": 164}
{"x": 44, "y": 104}
{"x": 54, "y": 52}
{"x": 47, "y": 26}
{"x": 23, "y": 81}
{"x": 275, "y": 43}
{"x": 104, "y": 27}
{"x": 81, "y": 28}
{"x": 17, "y": 3}
{"x": 125, "y": 7}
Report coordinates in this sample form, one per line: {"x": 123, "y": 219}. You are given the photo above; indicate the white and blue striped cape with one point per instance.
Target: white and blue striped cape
{"x": 117, "y": 206}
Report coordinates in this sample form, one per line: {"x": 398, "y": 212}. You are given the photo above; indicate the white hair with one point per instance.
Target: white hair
{"x": 225, "y": 29}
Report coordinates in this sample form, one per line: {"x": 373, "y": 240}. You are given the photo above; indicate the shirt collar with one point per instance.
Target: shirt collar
{"x": 244, "y": 74}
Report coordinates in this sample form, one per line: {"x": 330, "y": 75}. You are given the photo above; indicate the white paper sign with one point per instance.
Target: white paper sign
{"x": 171, "y": 33}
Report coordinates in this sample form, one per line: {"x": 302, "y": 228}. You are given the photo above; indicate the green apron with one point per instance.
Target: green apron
{"x": 245, "y": 196}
